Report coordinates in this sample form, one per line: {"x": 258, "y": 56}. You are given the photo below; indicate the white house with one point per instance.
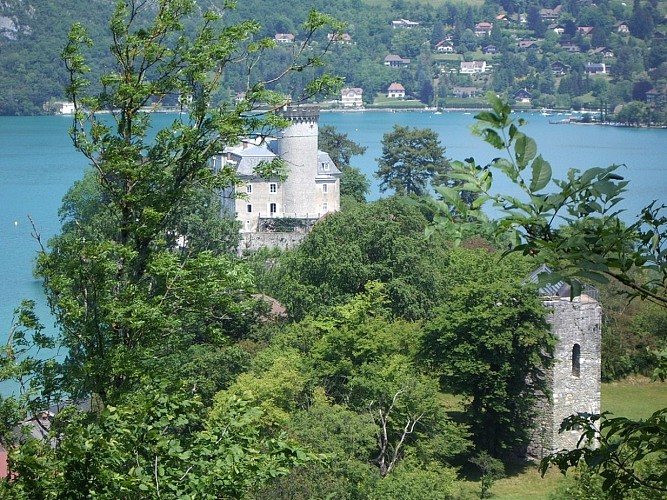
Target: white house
{"x": 284, "y": 38}
{"x": 404, "y": 23}
{"x": 473, "y": 67}
{"x": 444, "y": 47}
{"x": 351, "y": 97}
{"x": 595, "y": 68}
{"x": 396, "y": 90}
{"x": 312, "y": 186}
{"x": 396, "y": 61}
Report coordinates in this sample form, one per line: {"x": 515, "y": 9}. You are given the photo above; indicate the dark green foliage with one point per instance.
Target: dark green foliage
{"x": 490, "y": 342}
{"x": 381, "y": 241}
{"x": 412, "y": 160}
{"x": 490, "y": 470}
{"x": 629, "y": 455}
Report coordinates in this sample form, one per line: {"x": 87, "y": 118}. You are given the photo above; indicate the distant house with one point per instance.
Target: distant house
{"x": 657, "y": 98}
{"x": 559, "y": 69}
{"x": 396, "y": 91}
{"x": 472, "y": 67}
{"x": 570, "y": 46}
{"x": 284, "y": 38}
{"x": 340, "y": 38}
{"x": 483, "y": 29}
{"x": 64, "y": 107}
{"x": 605, "y": 52}
{"x": 396, "y": 61}
{"x": 585, "y": 30}
{"x": 595, "y": 68}
{"x": 557, "y": 28}
{"x": 528, "y": 44}
{"x": 444, "y": 47}
{"x": 352, "y": 97}
{"x": 465, "y": 92}
{"x": 522, "y": 96}
{"x": 404, "y": 23}
{"x": 621, "y": 27}
{"x": 490, "y": 49}
{"x": 550, "y": 14}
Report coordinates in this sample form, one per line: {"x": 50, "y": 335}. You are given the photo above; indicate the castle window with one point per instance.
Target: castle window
{"x": 576, "y": 360}
{"x": 248, "y": 188}
{"x": 273, "y": 208}
{"x": 325, "y": 207}
{"x": 273, "y": 187}
{"x": 325, "y": 165}
{"x": 248, "y": 208}
{"x": 325, "y": 188}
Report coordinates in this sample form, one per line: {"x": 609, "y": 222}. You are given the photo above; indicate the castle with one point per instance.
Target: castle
{"x": 274, "y": 211}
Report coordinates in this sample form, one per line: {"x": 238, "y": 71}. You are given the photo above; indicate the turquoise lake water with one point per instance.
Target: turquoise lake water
{"x": 38, "y": 164}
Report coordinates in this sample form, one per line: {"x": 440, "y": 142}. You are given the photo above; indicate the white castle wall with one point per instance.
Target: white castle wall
{"x": 297, "y": 145}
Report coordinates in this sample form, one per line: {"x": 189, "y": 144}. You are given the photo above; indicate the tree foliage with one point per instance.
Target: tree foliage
{"x": 547, "y": 225}
{"x": 490, "y": 342}
{"x": 118, "y": 288}
{"x": 381, "y": 241}
{"x": 142, "y": 274}
{"x": 411, "y": 161}
{"x": 155, "y": 444}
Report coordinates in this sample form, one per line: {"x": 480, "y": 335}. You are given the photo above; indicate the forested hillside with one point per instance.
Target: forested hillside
{"x": 575, "y": 54}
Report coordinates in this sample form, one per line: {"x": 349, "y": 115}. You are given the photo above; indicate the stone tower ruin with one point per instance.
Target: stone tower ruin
{"x": 574, "y": 378}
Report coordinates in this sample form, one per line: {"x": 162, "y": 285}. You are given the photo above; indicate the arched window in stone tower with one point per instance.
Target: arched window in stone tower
{"x": 576, "y": 360}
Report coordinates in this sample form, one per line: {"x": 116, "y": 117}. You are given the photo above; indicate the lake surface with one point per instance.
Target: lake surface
{"x": 38, "y": 164}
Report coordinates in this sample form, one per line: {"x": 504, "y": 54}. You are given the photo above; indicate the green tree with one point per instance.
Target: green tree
{"x": 155, "y": 444}
{"x": 366, "y": 361}
{"x": 120, "y": 292}
{"x": 411, "y": 160}
{"x": 490, "y": 470}
{"x": 380, "y": 241}
{"x": 490, "y": 342}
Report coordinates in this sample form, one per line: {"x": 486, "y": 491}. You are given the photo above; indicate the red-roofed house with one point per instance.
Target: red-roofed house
{"x": 396, "y": 90}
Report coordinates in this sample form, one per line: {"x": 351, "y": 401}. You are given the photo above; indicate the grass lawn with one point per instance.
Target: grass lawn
{"x": 633, "y": 398}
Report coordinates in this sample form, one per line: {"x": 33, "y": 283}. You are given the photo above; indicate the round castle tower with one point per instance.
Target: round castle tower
{"x": 297, "y": 146}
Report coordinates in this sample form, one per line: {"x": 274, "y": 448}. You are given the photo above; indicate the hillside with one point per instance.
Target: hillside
{"x": 548, "y": 55}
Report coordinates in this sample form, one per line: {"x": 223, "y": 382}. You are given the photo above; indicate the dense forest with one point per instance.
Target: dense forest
{"x": 395, "y": 351}
{"x": 597, "y": 55}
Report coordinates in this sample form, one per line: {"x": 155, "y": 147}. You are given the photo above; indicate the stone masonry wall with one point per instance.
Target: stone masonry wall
{"x": 251, "y": 242}
{"x": 575, "y": 377}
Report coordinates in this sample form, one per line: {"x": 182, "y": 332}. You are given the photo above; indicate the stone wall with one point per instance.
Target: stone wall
{"x": 574, "y": 379}
{"x": 251, "y": 242}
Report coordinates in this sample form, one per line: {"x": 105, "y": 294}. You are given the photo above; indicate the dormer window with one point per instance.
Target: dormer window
{"x": 325, "y": 166}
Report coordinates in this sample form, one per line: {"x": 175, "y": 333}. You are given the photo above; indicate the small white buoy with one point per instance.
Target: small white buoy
{"x": 16, "y": 223}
